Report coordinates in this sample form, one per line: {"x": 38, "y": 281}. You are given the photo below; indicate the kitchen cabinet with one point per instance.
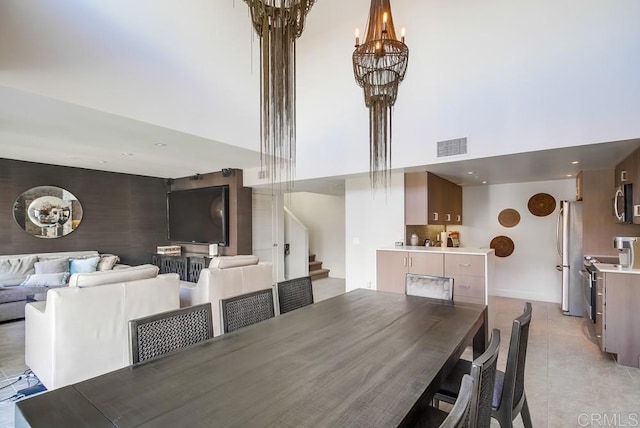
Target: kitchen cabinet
{"x": 468, "y": 273}
{"x": 430, "y": 199}
{"x": 392, "y": 267}
{"x": 579, "y": 186}
{"x": 617, "y": 316}
{"x": 471, "y": 270}
{"x": 628, "y": 171}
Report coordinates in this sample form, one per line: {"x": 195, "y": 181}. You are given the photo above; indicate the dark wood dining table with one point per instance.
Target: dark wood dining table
{"x": 362, "y": 359}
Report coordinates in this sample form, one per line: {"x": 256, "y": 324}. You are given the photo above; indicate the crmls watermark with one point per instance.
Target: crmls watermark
{"x": 609, "y": 419}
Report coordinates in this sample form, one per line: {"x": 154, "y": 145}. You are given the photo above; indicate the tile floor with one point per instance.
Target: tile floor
{"x": 569, "y": 382}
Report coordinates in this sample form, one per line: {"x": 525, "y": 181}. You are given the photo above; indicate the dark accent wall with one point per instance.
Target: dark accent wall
{"x": 123, "y": 214}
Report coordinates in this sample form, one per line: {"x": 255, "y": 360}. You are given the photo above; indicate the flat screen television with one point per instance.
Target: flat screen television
{"x": 199, "y": 215}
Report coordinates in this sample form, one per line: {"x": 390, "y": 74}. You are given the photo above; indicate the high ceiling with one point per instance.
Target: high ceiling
{"x": 170, "y": 90}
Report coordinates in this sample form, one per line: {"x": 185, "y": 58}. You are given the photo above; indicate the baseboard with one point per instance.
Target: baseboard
{"x": 514, "y": 294}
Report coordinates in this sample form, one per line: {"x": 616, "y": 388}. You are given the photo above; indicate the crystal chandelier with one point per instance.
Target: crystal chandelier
{"x": 278, "y": 24}
{"x": 379, "y": 65}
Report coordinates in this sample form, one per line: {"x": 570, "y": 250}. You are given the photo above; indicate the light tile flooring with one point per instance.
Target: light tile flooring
{"x": 569, "y": 382}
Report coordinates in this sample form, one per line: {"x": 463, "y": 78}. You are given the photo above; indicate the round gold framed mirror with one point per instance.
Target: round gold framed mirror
{"x": 47, "y": 212}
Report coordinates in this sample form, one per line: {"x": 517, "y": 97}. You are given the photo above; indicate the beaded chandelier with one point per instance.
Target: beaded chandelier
{"x": 379, "y": 65}
{"x": 278, "y": 24}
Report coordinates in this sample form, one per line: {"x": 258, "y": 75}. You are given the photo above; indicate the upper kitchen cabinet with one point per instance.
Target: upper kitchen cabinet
{"x": 429, "y": 199}
{"x": 628, "y": 172}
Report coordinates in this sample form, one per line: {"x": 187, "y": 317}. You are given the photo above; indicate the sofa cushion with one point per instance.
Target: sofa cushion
{"x": 46, "y": 280}
{"x": 225, "y": 262}
{"x": 83, "y": 265}
{"x": 14, "y": 271}
{"x": 113, "y": 276}
{"x": 52, "y": 266}
{"x": 107, "y": 261}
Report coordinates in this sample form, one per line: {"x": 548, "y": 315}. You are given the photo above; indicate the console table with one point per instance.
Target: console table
{"x": 187, "y": 266}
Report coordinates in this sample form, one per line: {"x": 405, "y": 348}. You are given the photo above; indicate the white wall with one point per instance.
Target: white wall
{"x": 324, "y": 217}
{"x": 373, "y": 220}
{"x": 528, "y": 273}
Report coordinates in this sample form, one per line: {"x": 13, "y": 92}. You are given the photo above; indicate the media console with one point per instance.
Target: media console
{"x": 187, "y": 266}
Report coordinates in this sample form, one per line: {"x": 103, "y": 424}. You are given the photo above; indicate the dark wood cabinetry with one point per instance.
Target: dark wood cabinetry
{"x": 430, "y": 199}
{"x": 188, "y": 267}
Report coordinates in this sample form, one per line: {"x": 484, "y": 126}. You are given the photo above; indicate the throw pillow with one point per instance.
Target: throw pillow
{"x": 83, "y": 265}
{"x": 107, "y": 262}
{"x": 14, "y": 271}
{"x": 52, "y": 266}
{"x": 46, "y": 280}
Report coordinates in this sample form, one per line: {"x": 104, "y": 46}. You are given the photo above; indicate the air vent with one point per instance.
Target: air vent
{"x": 452, "y": 147}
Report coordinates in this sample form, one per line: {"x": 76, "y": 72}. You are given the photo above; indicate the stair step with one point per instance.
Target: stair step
{"x": 320, "y": 273}
{"x": 315, "y": 265}
{"x": 312, "y": 258}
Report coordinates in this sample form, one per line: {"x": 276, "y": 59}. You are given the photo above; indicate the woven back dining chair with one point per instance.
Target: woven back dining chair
{"x": 509, "y": 398}
{"x": 295, "y": 293}
{"x": 482, "y": 372}
{"x": 246, "y": 309}
{"x": 159, "y": 334}
{"x": 460, "y": 414}
{"x": 435, "y": 287}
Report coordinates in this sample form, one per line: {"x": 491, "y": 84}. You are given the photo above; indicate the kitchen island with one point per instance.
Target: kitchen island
{"x": 617, "y": 312}
{"x": 472, "y": 269}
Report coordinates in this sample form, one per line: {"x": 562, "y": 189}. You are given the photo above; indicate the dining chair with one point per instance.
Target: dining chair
{"x": 294, "y": 293}
{"x": 460, "y": 414}
{"x": 246, "y": 309}
{"x": 509, "y": 398}
{"x": 158, "y": 334}
{"x": 483, "y": 373}
{"x": 435, "y": 287}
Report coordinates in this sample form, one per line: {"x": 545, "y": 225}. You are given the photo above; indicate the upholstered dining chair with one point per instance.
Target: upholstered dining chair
{"x": 159, "y": 334}
{"x": 246, "y": 309}
{"x": 294, "y": 293}
{"x": 509, "y": 398}
{"x": 435, "y": 287}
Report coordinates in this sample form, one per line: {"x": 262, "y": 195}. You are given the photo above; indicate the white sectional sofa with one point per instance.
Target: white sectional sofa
{"x": 81, "y": 331}
{"x": 226, "y": 276}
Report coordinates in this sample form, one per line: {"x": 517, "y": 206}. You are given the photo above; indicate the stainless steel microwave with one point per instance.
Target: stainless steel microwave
{"x": 623, "y": 204}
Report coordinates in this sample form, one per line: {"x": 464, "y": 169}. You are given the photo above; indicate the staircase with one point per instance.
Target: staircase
{"x": 315, "y": 268}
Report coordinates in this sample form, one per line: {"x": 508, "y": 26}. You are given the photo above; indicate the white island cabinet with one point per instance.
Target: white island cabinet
{"x": 471, "y": 269}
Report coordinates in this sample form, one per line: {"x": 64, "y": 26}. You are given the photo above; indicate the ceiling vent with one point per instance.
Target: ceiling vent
{"x": 452, "y": 147}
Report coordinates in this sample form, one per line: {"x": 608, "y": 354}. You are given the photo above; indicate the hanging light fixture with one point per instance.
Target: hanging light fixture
{"x": 379, "y": 65}
{"x": 278, "y": 24}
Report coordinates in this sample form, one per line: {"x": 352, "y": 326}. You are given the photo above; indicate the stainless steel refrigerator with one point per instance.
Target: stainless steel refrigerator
{"x": 569, "y": 240}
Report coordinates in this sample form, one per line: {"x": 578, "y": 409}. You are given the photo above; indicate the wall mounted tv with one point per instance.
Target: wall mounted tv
{"x": 199, "y": 215}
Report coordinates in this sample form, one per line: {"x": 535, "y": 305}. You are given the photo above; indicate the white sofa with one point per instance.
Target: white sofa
{"x": 82, "y": 331}
{"x": 226, "y": 276}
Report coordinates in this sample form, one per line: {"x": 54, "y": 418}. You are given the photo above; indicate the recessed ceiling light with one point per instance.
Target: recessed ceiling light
{"x": 484, "y": 182}
{"x": 126, "y": 154}
{"x": 575, "y": 162}
{"x": 102, "y": 161}
{"x": 569, "y": 175}
{"x": 159, "y": 144}
{"x": 470, "y": 172}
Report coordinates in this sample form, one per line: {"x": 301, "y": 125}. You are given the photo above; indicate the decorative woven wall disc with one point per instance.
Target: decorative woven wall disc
{"x": 541, "y": 204}
{"x": 503, "y": 245}
{"x": 509, "y": 217}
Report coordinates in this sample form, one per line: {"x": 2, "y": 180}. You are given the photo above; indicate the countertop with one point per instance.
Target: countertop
{"x": 606, "y": 267}
{"x": 449, "y": 250}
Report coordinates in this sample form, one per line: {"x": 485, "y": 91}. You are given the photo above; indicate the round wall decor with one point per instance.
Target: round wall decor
{"x": 503, "y": 245}
{"x": 47, "y": 212}
{"x": 541, "y": 204}
{"x": 509, "y": 217}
